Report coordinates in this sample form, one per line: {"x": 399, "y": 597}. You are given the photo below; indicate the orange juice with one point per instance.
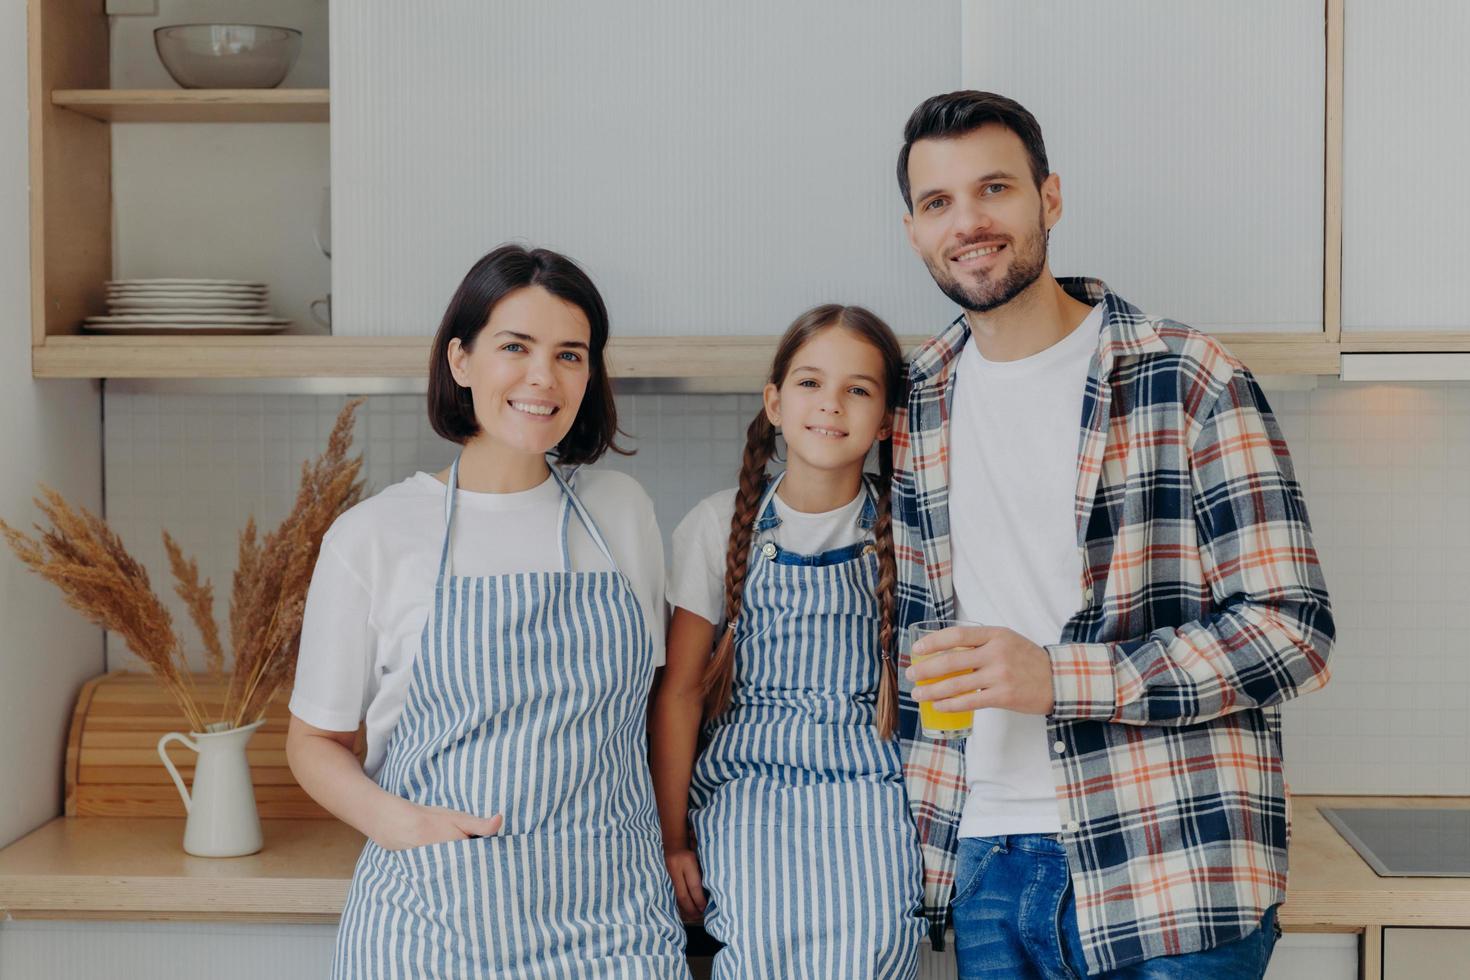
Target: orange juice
{"x": 942, "y": 724}
{"x": 933, "y": 722}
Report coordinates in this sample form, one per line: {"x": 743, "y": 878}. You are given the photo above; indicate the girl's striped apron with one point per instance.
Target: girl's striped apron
{"x": 809, "y": 856}
{"x": 528, "y": 699}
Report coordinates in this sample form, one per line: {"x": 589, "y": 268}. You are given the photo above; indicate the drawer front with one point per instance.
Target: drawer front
{"x": 1412, "y": 953}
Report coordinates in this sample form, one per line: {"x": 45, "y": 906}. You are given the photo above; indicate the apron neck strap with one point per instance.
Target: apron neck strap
{"x": 584, "y": 516}
{"x": 449, "y": 500}
{"x": 870, "y": 487}
{"x": 766, "y": 502}
{"x": 570, "y": 502}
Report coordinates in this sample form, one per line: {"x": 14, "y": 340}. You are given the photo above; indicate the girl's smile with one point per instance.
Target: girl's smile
{"x": 831, "y": 406}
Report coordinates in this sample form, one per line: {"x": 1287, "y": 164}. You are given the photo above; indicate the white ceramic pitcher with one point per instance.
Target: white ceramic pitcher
{"x": 222, "y": 820}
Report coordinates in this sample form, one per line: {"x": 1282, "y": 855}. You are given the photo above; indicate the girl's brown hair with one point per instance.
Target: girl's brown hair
{"x": 760, "y": 446}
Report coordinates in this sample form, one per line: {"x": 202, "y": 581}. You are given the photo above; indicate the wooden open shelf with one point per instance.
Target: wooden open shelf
{"x": 311, "y": 105}
{"x": 288, "y": 356}
{"x": 71, "y": 241}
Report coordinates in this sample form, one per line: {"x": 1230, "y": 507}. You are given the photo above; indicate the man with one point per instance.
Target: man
{"x": 1109, "y": 494}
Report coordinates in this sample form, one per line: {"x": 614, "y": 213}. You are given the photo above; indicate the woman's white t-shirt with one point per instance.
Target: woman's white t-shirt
{"x": 697, "y": 580}
{"x": 373, "y": 586}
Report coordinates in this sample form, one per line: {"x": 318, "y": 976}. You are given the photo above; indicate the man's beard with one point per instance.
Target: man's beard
{"x": 985, "y": 295}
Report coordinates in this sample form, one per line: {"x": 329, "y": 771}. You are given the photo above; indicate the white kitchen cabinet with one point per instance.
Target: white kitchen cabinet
{"x": 79, "y": 950}
{"x": 72, "y": 950}
{"x": 1315, "y": 956}
{"x": 1406, "y": 135}
{"x": 66, "y": 950}
{"x": 1298, "y": 956}
{"x": 1409, "y": 954}
{"x": 1190, "y": 143}
{"x": 716, "y": 168}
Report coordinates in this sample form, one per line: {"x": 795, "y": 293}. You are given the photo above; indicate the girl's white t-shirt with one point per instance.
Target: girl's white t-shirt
{"x": 373, "y": 586}
{"x": 697, "y": 579}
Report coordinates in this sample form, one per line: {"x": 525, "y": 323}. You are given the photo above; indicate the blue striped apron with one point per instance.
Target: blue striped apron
{"x": 528, "y": 698}
{"x": 810, "y": 860}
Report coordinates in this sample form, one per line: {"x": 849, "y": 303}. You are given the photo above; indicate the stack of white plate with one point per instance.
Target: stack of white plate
{"x": 187, "y": 306}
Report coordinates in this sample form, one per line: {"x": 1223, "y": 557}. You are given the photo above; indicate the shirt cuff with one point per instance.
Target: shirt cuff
{"x": 1082, "y": 682}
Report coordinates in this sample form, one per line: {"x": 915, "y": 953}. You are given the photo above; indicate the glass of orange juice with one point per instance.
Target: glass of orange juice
{"x": 933, "y": 722}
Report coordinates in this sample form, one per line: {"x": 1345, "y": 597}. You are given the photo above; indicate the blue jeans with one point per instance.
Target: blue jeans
{"x": 1014, "y": 916}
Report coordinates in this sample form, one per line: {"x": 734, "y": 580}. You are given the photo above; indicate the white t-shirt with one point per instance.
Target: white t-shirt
{"x": 697, "y": 580}
{"x": 1014, "y": 435}
{"x": 373, "y": 586}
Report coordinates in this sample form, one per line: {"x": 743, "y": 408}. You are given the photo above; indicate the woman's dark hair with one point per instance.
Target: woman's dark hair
{"x": 953, "y": 115}
{"x": 760, "y": 446}
{"x": 490, "y": 280}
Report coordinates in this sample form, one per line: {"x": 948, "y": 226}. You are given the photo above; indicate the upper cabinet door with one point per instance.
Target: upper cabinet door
{"x": 1406, "y": 133}
{"x": 1190, "y": 142}
{"x": 716, "y": 168}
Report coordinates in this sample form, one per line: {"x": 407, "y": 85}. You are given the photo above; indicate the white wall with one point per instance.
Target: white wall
{"x": 50, "y": 434}
{"x": 1385, "y": 470}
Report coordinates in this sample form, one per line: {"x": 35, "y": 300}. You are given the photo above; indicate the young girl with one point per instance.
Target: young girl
{"x": 802, "y": 839}
{"x": 498, "y": 625}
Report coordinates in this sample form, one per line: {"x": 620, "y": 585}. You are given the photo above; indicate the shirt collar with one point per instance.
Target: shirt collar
{"x": 1125, "y": 331}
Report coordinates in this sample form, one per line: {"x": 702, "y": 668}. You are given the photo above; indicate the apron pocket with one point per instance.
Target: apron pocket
{"x": 424, "y": 858}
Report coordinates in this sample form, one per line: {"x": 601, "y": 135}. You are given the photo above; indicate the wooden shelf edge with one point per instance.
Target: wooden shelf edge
{"x": 301, "y": 356}
{"x": 198, "y": 105}
{"x": 83, "y": 356}
{"x": 250, "y": 357}
{"x": 1404, "y": 342}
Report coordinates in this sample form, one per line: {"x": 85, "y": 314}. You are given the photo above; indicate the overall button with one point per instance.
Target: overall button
{"x": 769, "y": 549}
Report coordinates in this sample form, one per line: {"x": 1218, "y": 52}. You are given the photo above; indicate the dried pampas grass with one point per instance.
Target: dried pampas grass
{"x": 84, "y": 558}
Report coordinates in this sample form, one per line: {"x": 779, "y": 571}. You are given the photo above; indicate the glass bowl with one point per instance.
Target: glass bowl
{"x": 227, "y": 55}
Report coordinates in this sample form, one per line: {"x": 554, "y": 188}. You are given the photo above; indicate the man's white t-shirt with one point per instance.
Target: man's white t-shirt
{"x": 1015, "y": 429}
{"x": 373, "y": 586}
{"x": 697, "y": 579}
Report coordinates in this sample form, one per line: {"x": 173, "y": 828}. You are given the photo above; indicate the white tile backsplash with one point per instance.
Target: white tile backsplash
{"x": 1386, "y": 470}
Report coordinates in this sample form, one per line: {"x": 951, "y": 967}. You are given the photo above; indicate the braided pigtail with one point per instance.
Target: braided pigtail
{"x": 760, "y": 446}
{"x": 887, "y": 718}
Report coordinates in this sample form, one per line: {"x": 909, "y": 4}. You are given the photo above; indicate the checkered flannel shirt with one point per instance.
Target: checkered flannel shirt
{"x": 1201, "y": 608}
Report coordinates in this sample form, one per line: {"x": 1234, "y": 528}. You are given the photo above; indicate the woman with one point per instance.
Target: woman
{"x": 497, "y": 625}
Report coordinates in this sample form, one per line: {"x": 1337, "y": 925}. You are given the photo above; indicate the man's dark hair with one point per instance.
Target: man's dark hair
{"x": 495, "y": 276}
{"x": 957, "y": 113}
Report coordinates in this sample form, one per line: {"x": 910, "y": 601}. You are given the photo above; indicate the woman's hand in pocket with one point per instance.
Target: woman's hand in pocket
{"x": 683, "y": 867}
{"x": 412, "y": 825}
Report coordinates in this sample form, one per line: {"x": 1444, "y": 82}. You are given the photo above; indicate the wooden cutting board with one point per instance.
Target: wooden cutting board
{"x": 112, "y": 764}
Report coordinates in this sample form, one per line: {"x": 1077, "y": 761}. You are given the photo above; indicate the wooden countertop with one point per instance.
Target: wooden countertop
{"x": 120, "y": 868}
{"x": 1331, "y": 888}
{"x": 136, "y": 868}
